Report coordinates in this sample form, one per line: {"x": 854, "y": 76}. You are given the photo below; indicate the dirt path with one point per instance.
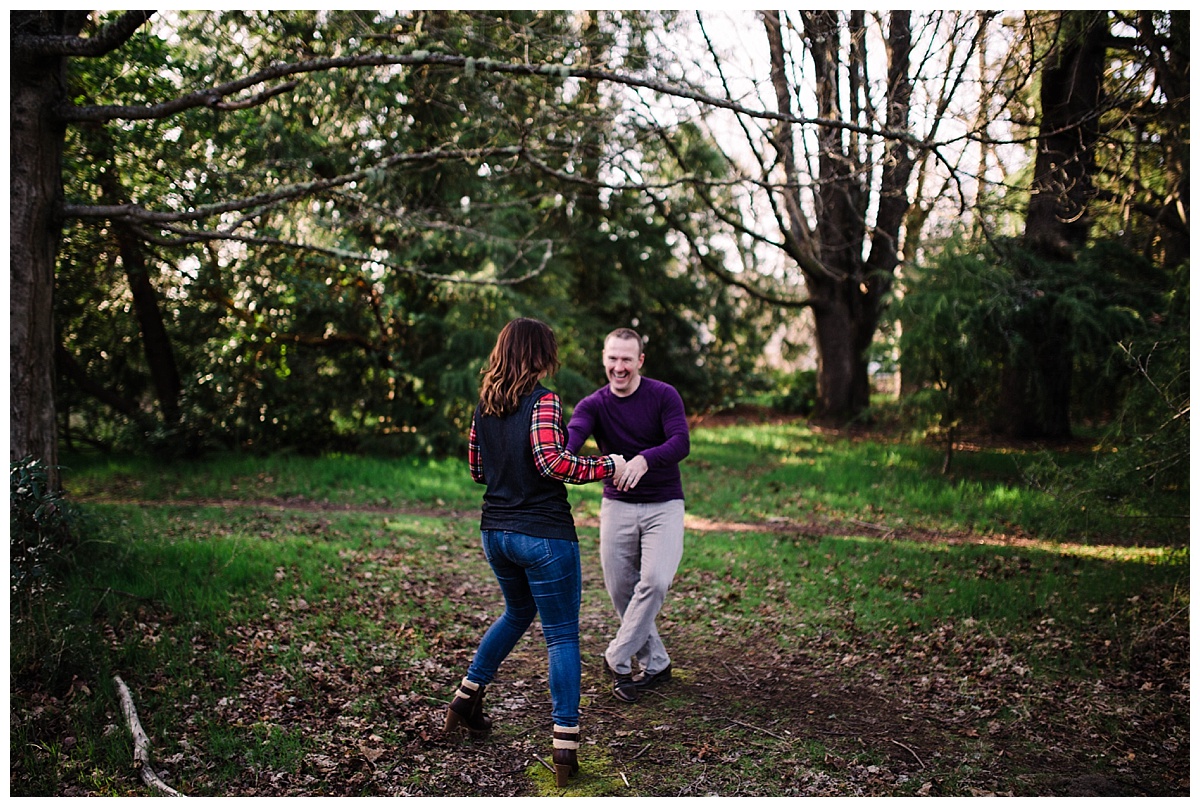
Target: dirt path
{"x": 823, "y": 527}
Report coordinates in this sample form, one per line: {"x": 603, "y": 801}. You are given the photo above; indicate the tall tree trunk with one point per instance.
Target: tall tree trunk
{"x": 1057, "y": 222}
{"x": 1036, "y": 388}
{"x": 36, "y": 84}
{"x": 838, "y": 365}
{"x": 156, "y": 342}
{"x": 847, "y": 291}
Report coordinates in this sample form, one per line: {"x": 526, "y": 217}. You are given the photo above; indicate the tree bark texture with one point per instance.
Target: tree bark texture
{"x": 1036, "y": 388}
{"x": 156, "y": 342}
{"x": 37, "y": 83}
{"x": 1057, "y": 222}
{"x": 847, "y": 291}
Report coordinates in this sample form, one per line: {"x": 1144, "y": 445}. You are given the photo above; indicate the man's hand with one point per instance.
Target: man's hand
{"x": 634, "y": 470}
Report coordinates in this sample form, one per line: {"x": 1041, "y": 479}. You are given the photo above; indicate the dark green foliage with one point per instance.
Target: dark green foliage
{"x": 43, "y": 528}
{"x": 972, "y": 312}
{"x": 52, "y": 639}
{"x": 793, "y": 393}
{"x": 952, "y": 315}
{"x": 368, "y": 339}
{"x": 1124, "y": 323}
{"x": 1142, "y": 462}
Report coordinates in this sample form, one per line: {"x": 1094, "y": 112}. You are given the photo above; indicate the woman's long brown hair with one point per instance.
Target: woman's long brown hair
{"x": 525, "y": 351}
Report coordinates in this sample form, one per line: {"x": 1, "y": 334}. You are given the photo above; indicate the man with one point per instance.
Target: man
{"x": 641, "y": 514}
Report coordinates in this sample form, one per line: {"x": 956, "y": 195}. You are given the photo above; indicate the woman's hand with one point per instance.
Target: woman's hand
{"x": 620, "y": 465}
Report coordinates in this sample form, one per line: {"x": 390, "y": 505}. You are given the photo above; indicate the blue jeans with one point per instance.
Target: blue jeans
{"x": 538, "y": 576}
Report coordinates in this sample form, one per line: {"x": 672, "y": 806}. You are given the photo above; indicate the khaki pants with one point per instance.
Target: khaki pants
{"x": 640, "y": 549}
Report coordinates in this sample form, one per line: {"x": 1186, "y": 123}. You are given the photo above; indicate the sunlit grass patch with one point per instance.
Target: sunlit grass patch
{"x": 598, "y": 776}
{"x": 758, "y": 472}
{"x": 732, "y": 582}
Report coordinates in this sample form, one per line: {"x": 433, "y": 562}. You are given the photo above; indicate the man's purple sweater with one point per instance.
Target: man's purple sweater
{"x": 650, "y": 422}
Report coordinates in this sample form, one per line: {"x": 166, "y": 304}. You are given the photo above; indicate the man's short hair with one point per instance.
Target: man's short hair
{"x": 627, "y": 333}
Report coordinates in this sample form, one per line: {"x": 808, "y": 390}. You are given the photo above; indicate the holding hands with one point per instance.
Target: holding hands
{"x": 620, "y": 466}
{"x": 627, "y": 477}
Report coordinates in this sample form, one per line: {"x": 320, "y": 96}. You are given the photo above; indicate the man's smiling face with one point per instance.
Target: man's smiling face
{"x": 622, "y": 363}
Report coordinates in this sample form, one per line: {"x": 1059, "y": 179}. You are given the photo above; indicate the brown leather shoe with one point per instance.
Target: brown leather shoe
{"x": 466, "y": 710}
{"x": 566, "y": 753}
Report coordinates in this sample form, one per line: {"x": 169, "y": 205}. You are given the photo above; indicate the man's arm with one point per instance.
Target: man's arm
{"x": 671, "y": 451}
{"x": 677, "y": 444}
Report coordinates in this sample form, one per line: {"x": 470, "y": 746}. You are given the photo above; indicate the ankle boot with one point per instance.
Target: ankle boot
{"x": 467, "y": 710}
{"x": 566, "y": 753}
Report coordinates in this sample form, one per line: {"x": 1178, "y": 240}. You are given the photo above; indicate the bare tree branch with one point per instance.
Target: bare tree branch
{"x": 139, "y": 214}
{"x": 141, "y": 743}
{"x": 256, "y": 100}
{"x": 109, "y": 38}
{"x": 706, "y": 261}
{"x": 357, "y": 258}
{"x": 212, "y": 97}
{"x": 259, "y": 203}
{"x": 799, "y": 237}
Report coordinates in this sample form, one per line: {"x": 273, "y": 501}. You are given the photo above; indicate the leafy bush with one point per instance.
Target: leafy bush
{"x": 51, "y": 639}
{"x": 1143, "y": 458}
{"x": 996, "y": 335}
{"x": 42, "y": 526}
{"x": 1154, "y": 424}
{"x": 794, "y": 393}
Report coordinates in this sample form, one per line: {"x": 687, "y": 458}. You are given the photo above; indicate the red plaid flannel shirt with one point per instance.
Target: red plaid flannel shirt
{"x": 548, "y": 438}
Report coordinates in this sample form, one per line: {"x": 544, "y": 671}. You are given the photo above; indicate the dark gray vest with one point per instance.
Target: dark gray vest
{"x": 518, "y": 498}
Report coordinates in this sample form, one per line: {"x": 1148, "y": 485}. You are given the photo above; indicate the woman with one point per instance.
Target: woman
{"x": 518, "y": 450}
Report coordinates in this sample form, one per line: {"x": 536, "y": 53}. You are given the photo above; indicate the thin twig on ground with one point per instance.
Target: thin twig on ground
{"x": 1144, "y": 634}
{"x": 909, "y": 750}
{"x": 141, "y": 743}
{"x": 756, "y": 728}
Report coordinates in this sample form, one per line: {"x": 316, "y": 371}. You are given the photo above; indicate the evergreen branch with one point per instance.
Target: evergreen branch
{"x": 310, "y": 340}
{"x": 135, "y": 213}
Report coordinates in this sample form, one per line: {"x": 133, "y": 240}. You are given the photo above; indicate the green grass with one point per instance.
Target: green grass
{"x": 756, "y": 472}
{"x": 340, "y": 479}
{"x": 310, "y": 647}
{"x": 191, "y": 602}
{"x": 809, "y": 585}
{"x": 740, "y": 473}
